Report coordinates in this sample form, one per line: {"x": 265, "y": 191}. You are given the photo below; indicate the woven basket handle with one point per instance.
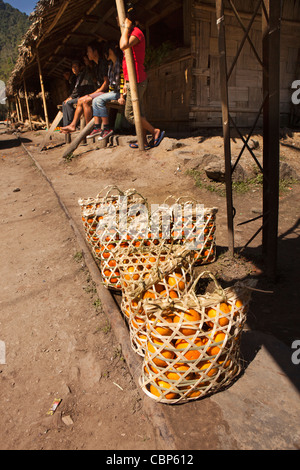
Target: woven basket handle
{"x": 218, "y": 286}
{"x": 177, "y": 201}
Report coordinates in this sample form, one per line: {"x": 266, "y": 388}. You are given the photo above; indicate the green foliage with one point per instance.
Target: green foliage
{"x": 156, "y": 56}
{"x": 13, "y": 26}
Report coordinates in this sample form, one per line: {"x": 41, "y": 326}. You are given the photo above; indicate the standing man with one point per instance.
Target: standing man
{"x": 132, "y": 37}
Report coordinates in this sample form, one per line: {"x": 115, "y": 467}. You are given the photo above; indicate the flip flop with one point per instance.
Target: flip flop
{"x": 159, "y": 139}
{"x": 136, "y": 146}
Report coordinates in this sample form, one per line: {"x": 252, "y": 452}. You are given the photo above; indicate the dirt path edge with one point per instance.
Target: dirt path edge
{"x": 156, "y": 413}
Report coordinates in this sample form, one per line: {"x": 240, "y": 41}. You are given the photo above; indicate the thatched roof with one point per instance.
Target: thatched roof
{"x": 61, "y": 30}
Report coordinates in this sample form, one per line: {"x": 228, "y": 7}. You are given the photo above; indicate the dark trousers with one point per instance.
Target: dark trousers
{"x": 68, "y": 111}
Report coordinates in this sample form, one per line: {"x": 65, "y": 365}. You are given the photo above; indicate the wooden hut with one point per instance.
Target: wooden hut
{"x": 182, "y": 56}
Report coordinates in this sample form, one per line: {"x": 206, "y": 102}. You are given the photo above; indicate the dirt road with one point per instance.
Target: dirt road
{"x": 59, "y": 344}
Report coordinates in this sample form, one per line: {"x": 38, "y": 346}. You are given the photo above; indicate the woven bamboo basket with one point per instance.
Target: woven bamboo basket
{"x": 193, "y": 343}
{"x": 106, "y": 238}
{"x": 188, "y": 227}
{"x": 163, "y": 273}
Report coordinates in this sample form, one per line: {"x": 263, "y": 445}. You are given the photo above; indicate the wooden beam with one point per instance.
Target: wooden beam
{"x": 17, "y": 109}
{"x": 81, "y": 136}
{"x": 43, "y": 90}
{"x": 27, "y": 104}
{"x": 56, "y": 20}
{"x": 271, "y": 124}
{"x": 226, "y": 122}
{"x": 20, "y": 107}
{"x": 77, "y": 25}
{"x": 132, "y": 79}
{"x": 50, "y": 131}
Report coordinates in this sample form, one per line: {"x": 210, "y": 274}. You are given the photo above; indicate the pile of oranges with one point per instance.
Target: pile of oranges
{"x": 106, "y": 243}
{"x": 141, "y": 281}
{"x": 191, "y": 351}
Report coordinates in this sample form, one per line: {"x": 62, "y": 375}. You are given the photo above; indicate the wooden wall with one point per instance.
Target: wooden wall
{"x": 188, "y": 88}
{"x": 167, "y": 99}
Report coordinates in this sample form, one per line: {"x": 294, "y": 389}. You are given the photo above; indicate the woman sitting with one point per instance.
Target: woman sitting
{"x": 116, "y": 83}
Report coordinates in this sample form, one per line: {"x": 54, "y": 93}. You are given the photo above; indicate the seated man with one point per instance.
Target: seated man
{"x": 84, "y": 104}
{"x": 116, "y": 83}
{"x": 82, "y": 86}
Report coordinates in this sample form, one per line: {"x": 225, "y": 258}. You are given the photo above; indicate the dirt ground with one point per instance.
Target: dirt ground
{"x": 59, "y": 343}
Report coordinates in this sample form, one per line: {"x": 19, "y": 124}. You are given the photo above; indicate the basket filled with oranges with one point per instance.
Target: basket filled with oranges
{"x": 193, "y": 343}
{"x": 194, "y": 225}
{"x": 159, "y": 274}
{"x": 101, "y": 220}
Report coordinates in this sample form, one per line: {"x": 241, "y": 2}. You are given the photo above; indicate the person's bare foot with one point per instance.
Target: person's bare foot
{"x": 67, "y": 129}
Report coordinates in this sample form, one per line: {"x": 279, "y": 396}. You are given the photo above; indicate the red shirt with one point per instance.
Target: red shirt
{"x": 138, "y": 56}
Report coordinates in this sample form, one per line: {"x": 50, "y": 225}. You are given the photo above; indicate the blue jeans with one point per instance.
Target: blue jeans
{"x": 99, "y": 103}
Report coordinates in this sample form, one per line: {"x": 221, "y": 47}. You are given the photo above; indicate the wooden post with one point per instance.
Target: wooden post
{"x": 43, "y": 90}
{"x": 132, "y": 79}
{"x": 226, "y": 122}
{"x": 20, "y": 108}
{"x": 27, "y": 104}
{"x": 49, "y": 133}
{"x": 17, "y": 109}
{"x": 271, "y": 125}
{"x": 82, "y": 135}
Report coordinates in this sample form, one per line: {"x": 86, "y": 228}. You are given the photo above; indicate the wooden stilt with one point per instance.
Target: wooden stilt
{"x": 271, "y": 126}
{"x": 226, "y": 122}
{"x": 132, "y": 79}
{"x": 81, "y": 136}
{"x": 20, "y": 108}
{"x": 17, "y": 109}
{"x": 43, "y": 90}
{"x": 49, "y": 133}
{"x": 27, "y": 104}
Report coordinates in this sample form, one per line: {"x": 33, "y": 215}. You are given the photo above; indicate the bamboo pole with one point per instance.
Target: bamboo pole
{"x": 20, "y": 107}
{"x": 43, "y": 90}
{"x": 49, "y": 133}
{"x": 27, "y": 104}
{"x": 17, "y": 109}
{"x": 132, "y": 79}
{"x": 81, "y": 136}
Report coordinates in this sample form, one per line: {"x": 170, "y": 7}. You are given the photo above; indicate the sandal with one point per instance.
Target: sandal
{"x": 159, "y": 139}
{"x": 136, "y": 146}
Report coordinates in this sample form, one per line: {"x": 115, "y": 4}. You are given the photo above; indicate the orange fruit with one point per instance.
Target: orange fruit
{"x": 194, "y": 394}
{"x": 177, "y": 375}
{"x": 165, "y": 353}
{"x": 159, "y": 328}
{"x": 129, "y": 277}
{"x": 203, "y": 365}
{"x": 191, "y": 354}
{"x": 190, "y": 315}
{"x": 166, "y": 385}
{"x": 149, "y": 295}
{"x": 221, "y": 361}
{"x": 214, "y": 350}
{"x": 174, "y": 280}
{"x": 223, "y": 321}
{"x": 136, "y": 322}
